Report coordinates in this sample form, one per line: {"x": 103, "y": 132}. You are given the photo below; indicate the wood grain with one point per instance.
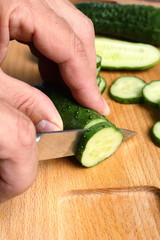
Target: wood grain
{"x": 117, "y": 200}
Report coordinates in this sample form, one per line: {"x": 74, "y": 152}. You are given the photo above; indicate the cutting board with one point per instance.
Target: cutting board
{"x": 119, "y": 199}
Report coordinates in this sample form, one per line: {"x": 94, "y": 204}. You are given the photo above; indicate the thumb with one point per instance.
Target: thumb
{"x": 35, "y": 104}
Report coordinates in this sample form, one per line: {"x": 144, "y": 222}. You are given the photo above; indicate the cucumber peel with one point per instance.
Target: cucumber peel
{"x": 118, "y": 54}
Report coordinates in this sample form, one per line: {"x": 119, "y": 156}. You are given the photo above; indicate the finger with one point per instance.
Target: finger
{"x": 50, "y": 73}
{"x": 18, "y": 154}
{"x": 69, "y": 52}
{"x": 36, "y": 105}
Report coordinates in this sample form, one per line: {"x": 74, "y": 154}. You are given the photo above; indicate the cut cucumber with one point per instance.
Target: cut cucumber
{"x": 101, "y": 84}
{"x": 127, "y": 89}
{"x": 99, "y": 141}
{"x": 117, "y": 54}
{"x": 151, "y": 93}
{"x": 156, "y": 133}
{"x": 140, "y": 23}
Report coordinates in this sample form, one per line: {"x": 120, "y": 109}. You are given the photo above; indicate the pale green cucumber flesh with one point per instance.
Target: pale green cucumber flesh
{"x": 118, "y": 54}
{"x": 98, "y": 143}
{"x": 127, "y": 89}
{"x": 156, "y": 133}
{"x": 151, "y": 93}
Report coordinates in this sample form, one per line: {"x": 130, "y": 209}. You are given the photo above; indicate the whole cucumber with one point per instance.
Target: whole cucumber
{"x": 139, "y": 23}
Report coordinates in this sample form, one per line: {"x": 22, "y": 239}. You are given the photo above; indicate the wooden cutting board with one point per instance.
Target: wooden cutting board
{"x": 117, "y": 200}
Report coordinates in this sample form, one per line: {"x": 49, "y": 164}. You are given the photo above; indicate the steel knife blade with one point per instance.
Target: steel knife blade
{"x": 63, "y": 143}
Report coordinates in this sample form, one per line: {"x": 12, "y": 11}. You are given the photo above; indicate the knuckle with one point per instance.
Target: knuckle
{"x": 25, "y": 132}
{"x": 79, "y": 46}
{"x": 89, "y": 25}
{"x": 26, "y": 105}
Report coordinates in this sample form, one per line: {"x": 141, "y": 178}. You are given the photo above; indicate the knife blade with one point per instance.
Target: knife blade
{"x": 63, "y": 143}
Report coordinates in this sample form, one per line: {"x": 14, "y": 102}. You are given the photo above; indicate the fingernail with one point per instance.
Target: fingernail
{"x": 46, "y": 126}
{"x": 106, "y": 108}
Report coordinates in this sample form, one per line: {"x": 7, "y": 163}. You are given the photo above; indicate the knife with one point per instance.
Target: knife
{"x": 63, "y": 143}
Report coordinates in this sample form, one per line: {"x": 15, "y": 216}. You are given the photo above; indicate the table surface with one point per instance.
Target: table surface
{"x": 118, "y": 199}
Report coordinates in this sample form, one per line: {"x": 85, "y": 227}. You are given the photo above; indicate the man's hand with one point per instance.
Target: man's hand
{"x": 58, "y": 34}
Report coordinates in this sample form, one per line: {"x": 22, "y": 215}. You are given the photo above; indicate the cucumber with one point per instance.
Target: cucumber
{"x": 127, "y": 89}
{"x": 151, "y": 93}
{"x": 101, "y": 82}
{"x": 155, "y": 133}
{"x": 99, "y": 141}
{"x": 118, "y": 54}
{"x": 137, "y": 23}
{"x": 98, "y": 64}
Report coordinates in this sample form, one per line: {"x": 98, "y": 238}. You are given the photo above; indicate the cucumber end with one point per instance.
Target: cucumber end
{"x": 103, "y": 143}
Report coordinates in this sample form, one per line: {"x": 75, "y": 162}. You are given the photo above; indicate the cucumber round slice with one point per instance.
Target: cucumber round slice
{"x": 98, "y": 143}
{"x": 118, "y": 54}
{"x": 156, "y": 133}
{"x": 151, "y": 93}
{"x": 127, "y": 89}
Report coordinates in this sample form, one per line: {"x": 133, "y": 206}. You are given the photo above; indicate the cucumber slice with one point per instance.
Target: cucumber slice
{"x": 151, "y": 93}
{"x": 117, "y": 54}
{"x": 102, "y": 84}
{"x": 98, "y": 64}
{"x": 99, "y": 141}
{"x": 127, "y": 89}
{"x": 155, "y": 133}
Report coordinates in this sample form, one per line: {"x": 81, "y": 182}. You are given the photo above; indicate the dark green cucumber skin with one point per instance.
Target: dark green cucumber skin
{"x": 88, "y": 134}
{"x": 74, "y": 116}
{"x": 155, "y": 139}
{"x": 139, "y": 23}
{"x": 127, "y": 101}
